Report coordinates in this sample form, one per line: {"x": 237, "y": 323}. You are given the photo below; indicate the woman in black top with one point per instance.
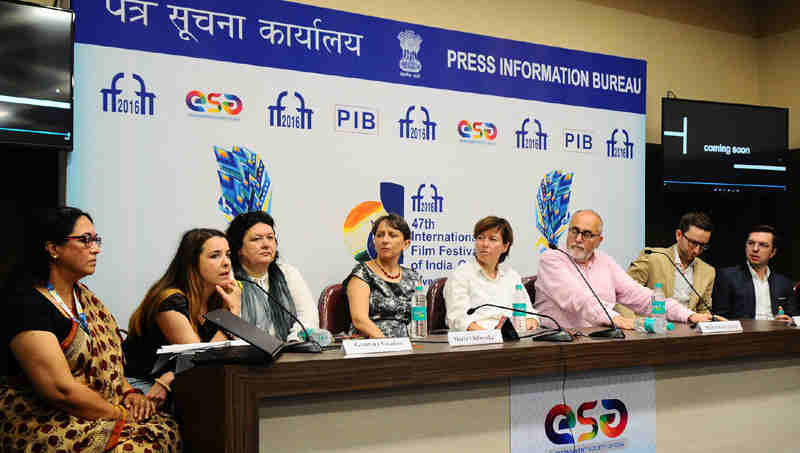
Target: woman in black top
{"x": 197, "y": 281}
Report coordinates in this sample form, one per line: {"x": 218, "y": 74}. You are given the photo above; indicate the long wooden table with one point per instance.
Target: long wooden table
{"x": 218, "y": 405}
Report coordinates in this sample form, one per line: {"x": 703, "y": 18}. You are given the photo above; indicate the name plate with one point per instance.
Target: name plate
{"x": 474, "y": 337}
{"x": 719, "y": 326}
{"x": 376, "y": 345}
{"x": 795, "y": 321}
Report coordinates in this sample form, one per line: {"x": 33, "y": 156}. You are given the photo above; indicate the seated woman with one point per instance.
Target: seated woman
{"x": 266, "y": 282}
{"x": 62, "y": 386}
{"x": 482, "y": 280}
{"x": 197, "y": 281}
{"x": 380, "y": 291}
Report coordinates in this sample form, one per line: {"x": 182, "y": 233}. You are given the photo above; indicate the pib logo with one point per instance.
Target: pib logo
{"x": 566, "y": 421}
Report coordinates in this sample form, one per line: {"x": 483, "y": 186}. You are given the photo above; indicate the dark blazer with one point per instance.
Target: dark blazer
{"x": 735, "y": 296}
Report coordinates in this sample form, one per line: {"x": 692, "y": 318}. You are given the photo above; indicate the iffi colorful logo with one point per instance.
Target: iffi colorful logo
{"x": 477, "y": 132}
{"x": 609, "y": 423}
{"x": 409, "y": 130}
{"x": 358, "y": 224}
{"x": 279, "y": 118}
{"x": 142, "y": 104}
{"x": 410, "y": 43}
{"x": 621, "y": 150}
{"x": 214, "y": 103}
{"x": 420, "y": 204}
{"x": 537, "y": 142}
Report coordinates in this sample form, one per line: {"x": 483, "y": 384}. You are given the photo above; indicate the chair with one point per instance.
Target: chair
{"x": 530, "y": 285}
{"x": 334, "y": 311}
{"x": 437, "y": 310}
{"x": 796, "y": 289}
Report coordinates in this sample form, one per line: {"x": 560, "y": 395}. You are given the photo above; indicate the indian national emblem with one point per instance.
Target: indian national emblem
{"x": 409, "y": 42}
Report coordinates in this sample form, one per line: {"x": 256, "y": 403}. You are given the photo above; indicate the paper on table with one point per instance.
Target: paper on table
{"x": 193, "y": 347}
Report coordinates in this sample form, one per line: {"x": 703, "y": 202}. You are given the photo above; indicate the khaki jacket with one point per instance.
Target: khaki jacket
{"x": 655, "y": 268}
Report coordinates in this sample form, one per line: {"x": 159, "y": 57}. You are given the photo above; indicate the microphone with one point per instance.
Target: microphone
{"x": 309, "y": 345}
{"x": 559, "y": 335}
{"x": 699, "y": 297}
{"x": 614, "y": 331}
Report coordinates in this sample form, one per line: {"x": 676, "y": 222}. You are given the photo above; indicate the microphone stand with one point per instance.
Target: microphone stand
{"x": 309, "y": 345}
{"x": 614, "y": 331}
{"x": 699, "y": 297}
{"x": 559, "y": 335}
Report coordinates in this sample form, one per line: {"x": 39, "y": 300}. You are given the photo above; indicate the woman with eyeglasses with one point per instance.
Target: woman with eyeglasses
{"x": 198, "y": 280}
{"x": 62, "y": 386}
{"x": 267, "y": 283}
{"x": 380, "y": 291}
{"x": 484, "y": 279}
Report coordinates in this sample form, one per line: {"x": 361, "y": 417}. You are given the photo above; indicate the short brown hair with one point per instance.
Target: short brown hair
{"x": 491, "y": 222}
{"x": 697, "y": 219}
{"x": 394, "y": 221}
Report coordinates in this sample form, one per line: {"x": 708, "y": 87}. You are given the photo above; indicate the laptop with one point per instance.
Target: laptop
{"x": 262, "y": 347}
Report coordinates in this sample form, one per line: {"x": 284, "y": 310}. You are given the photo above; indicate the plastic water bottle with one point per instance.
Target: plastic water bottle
{"x": 520, "y": 302}
{"x": 649, "y": 325}
{"x": 659, "y": 309}
{"x": 419, "y": 314}
{"x": 321, "y": 336}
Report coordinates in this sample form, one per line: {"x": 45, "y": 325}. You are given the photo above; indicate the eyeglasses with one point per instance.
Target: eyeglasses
{"x": 585, "y": 234}
{"x": 87, "y": 240}
{"x": 695, "y": 244}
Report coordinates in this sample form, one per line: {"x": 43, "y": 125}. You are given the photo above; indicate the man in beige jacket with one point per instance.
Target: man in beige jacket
{"x": 691, "y": 239}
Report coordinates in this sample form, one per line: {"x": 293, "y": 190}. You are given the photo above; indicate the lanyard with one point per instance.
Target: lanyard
{"x": 81, "y": 319}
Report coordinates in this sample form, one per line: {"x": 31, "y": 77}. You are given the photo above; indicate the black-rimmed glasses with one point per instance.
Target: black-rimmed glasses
{"x": 87, "y": 240}
{"x": 585, "y": 234}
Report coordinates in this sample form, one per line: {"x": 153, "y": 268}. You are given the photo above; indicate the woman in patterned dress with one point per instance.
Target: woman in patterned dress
{"x": 380, "y": 291}
{"x": 62, "y": 387}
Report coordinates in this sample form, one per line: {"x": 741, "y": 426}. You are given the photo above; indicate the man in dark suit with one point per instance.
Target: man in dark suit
{"x": 751, "y": 290}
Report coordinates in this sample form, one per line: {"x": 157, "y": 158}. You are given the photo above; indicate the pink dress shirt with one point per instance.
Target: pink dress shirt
{"x": 562, "y": 294}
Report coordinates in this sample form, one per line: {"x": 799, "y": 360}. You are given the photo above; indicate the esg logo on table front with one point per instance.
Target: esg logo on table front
{"x": 566, "y": 421}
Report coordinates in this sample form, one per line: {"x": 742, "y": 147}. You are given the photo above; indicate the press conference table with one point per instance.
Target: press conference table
{"x": 218, "y": 405}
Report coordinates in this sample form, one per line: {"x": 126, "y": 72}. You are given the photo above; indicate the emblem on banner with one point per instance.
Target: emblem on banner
{"x": 113, "y": 101}
{"x": 410, "y": 131}
{"x": 279, "y": 118}
{"x": 215, "y": 105}
{"x": 477, "y": 132}
{"x": 244, "y": 182}
{"x": 619, "y": 149}
{"x": 410, "y": 43}
{"x": 358, "y": 224}
{"x": 552, "y": 214}
{"x": 538, "y": 142}
{"x": 419, "y": 204}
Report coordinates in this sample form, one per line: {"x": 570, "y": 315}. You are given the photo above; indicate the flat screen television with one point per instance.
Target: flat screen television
{"x": 720, "y": 147}
{"x": 36, "y": 50}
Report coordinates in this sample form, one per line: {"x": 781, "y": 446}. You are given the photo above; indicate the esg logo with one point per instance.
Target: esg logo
{"x": 568, "y": 421}
{"x": 477, "y": 130}
{"x": 213, "y": 103}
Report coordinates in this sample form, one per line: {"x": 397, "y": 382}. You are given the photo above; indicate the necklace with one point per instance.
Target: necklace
{"x": 393, "y": 277}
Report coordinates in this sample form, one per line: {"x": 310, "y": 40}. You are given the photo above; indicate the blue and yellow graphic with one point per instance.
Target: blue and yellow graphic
{"x": 552, "y": 215}
{"x": 244, "y": 182}
{"x": 358, "y": 224}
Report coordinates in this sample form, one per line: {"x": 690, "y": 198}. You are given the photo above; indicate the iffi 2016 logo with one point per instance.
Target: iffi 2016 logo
{"x": 409, "y": 130}
{"x": 409, "y": 64}
{"x": 420, "y": 204}
{"x": 279, "y": 118}
{"x": 617, "y": 149}
{"x": 566, "y": 421}
{"x": 539, "y": 139}
{"x": 477, "y": 132}
{"x": 214, "y": 103}
{"x": 142, "y": 104}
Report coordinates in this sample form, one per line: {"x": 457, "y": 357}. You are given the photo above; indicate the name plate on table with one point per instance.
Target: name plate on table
{"x": 474, "y": 337}
{"x": 796, "y": 320}
{"x": 376, "y": 345}
{"x": 719, "y": 326}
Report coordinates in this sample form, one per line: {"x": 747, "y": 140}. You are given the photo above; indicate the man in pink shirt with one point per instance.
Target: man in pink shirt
{"x": 562, "y": 294}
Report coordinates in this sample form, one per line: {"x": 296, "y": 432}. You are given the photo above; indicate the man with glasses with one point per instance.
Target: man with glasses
{"x": 751, "y": 290}
{"x": 691, "y": 239}
{"x": 562, "y": 293}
